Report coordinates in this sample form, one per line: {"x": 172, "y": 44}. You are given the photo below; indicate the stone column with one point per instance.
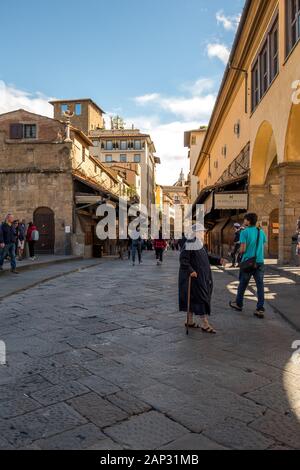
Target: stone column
{"x": 289, "y": 207}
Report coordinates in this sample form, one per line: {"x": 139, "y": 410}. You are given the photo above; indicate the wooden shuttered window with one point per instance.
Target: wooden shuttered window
{"x": 16, "y": 131}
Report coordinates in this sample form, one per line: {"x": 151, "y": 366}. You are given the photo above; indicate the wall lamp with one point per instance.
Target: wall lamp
{"x": 245, "y": 72}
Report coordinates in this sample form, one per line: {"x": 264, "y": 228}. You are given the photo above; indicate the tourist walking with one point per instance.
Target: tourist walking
{"x": 160, "y": 245}
{"x": 8, "y": 243}
{"x": 195, "y": 271}
{"x": 136, "y": 248}
{"x": 253, "y": 240}
{"x": 21, "y": 239}
{"x": 32, "y": 237}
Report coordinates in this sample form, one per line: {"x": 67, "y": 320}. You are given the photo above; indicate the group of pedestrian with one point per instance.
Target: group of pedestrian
{"x": 195, "y": 275}
{"x": 14, "y": 235}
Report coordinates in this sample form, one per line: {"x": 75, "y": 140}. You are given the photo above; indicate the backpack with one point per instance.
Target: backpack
{"x": 35, "y": 236}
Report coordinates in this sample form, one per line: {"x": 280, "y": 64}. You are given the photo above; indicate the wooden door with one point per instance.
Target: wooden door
{"x": 274, "y": 234}
{"x": 44, "y": 221}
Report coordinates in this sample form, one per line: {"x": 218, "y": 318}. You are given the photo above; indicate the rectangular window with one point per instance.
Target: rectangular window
{"x": 194, "y": 140}
{"x": 78, "y": 109}
{"x": 108, "y": 159}
{"x": 23, "y": 131}
{"x": 64, "y": 108}
{"x": 266, "y": 66}
{"x": 109, "y": 145}
{"x": 264, "y": 70}
{"x": 16, "y": 131}
{"x": 123, "y": 145}
{"x": 274, "y": 53}
{"x": 123, "y": 158}
{"x": 292, "y": 23}
{"x": 137, "y": 145}
{"x": 137, "y": 159}
{"x": 255, "y": 86}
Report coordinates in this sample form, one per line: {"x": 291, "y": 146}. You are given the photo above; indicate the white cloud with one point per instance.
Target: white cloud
{"x": 198, "y": 105}
{"x": 11, "y": 99}
{"x": 146, "y": 99}
{"x": 169, "y": 142}
{"x": 230, "y": 23}
{"x": 220, "y": 51}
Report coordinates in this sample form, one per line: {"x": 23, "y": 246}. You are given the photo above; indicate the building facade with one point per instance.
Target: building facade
{"x": 126, "y": 151}
{"x": 135, "y": 152}
{"x": 48, "y": 176}
{"x": 250, "y": 157}
{"x": 193, "y": 140}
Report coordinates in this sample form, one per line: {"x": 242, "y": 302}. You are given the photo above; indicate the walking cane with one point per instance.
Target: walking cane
{"x": 189, "y": 305}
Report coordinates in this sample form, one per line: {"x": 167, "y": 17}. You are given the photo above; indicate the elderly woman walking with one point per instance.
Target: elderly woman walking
{"x": 195, "y": 268}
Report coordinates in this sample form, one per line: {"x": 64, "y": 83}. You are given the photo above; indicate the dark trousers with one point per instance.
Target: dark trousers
{"x": 138, "y": 249}
{"x": 8, "y": 250}
{"x": 245, "y": 278}
{"x": 234, "y": 254}
{"x": 31, "y": 249}
{"x": 159, "y": 254}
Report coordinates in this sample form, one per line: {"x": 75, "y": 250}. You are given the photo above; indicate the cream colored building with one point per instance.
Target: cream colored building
{"x": 250, "y": 158}
{"x": 193, "y": 140}
{"x": 134, "y": 151}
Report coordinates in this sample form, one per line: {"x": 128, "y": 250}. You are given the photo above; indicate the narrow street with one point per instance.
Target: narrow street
{"x": 99, "y": 359}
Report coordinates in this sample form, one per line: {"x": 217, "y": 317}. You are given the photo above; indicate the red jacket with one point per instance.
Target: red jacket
{"x": 29, "y": 233}
{"x": 160, "y": 244}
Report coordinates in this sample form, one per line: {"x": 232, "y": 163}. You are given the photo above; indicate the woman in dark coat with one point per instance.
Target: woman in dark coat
{"x": 196, "y": 263}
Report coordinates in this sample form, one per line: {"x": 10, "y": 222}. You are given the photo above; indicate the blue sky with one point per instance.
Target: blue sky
{"x": 158, "y": 64}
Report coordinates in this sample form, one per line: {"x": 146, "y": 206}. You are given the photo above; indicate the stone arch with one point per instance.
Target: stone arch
{"x": 264, "y": 154}
{"x": 292, "y": 141}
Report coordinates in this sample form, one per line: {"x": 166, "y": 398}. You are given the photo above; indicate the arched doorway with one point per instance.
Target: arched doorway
{"x": 274, "y": 234}
{"x": 44, "y": 220}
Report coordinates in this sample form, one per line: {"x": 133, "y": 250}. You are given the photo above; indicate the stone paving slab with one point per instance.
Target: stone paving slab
{"x": 193, "y": 441}
{"x": 236, "y": 435}
{"x": 128, "y": 403}
{"x": 59, "y": 393}
{"x": 97, "y": 410}
{"x": 283, "y": 428}
{"x": 80, "y": 438}
{"x": 43, "y": 423}
{"x": 147, "y": 431}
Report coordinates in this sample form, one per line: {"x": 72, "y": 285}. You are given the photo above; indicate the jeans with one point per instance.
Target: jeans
{"x": 245, "y": 278}
{"x": 9, "y": 250}
{"x": 134, "y": 249}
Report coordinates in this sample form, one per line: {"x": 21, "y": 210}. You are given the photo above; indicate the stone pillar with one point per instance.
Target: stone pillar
{"x": 289, "y": 208}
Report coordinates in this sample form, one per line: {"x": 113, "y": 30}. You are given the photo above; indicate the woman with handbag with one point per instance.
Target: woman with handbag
{"x": 253, "y": 240}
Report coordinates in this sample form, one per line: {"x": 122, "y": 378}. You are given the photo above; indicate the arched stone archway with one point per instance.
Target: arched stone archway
{"x": 292, "y": 143}
{"x": 264, "y": 153}
{"x": 264, "y": 191}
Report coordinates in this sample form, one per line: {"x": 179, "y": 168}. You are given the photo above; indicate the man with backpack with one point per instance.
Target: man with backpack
{"x": 253, "y": 241}
{"x": 8, "y": 238}
{"x": 32, "y": 237}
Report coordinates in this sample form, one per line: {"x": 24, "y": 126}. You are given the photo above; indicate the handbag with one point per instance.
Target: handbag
{"x": 250, "y": 264}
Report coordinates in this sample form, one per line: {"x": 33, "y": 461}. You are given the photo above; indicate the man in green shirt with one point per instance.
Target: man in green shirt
{"x": 253, "y": 241}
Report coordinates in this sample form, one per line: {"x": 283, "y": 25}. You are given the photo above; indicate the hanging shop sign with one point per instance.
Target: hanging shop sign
{"x": 231, "y": 201}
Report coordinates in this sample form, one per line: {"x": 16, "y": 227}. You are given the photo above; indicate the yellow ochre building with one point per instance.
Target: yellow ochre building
{"x": 250, "y": 157}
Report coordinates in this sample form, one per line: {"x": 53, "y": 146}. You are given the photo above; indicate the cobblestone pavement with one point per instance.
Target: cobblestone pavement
{"x": 99, "y": 359}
